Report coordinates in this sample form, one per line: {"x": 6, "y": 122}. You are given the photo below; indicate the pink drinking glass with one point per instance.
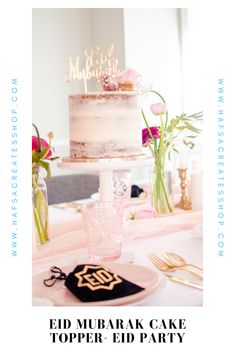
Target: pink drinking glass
{"x": 103, "y": 222}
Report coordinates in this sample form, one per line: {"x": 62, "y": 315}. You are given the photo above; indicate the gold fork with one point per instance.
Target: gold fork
{"x": 165, "y": 267}
{"x": 153, "y": 257}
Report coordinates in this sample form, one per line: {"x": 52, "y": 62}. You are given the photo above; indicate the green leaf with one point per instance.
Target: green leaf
{"x": 189, "y": 143}
{"x": 183, "y": 119}
{"x": 174, "y": 149}
{"x": 183, "y": 115}
{"x": 192, "y": 128}
{"x": 52, "y": 158}
{"x": 169, "y": 155}
{"x": 180, "y": 128}
{"x": 43, "y": 153}
{"x": 197, "y": 116}
{"x": 46, "y": 166}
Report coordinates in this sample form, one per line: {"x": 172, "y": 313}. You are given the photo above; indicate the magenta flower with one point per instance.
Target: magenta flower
{"x": 146, "y": 138}
{"x": 158, "y": 108}
{"x": 44, "y": 145}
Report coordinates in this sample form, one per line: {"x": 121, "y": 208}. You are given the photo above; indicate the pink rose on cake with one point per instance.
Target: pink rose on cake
{"x": 109, "y": 83}
{"x": 124, "y": 81}
{"x": 127, "y": 80}
{"x": 127, "y": 75}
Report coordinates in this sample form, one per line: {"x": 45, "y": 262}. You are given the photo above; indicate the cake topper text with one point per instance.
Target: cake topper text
{"x": 97, "y": 64}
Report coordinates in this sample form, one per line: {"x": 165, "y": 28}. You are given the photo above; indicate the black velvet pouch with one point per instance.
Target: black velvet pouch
{"x": 91, "y": 283}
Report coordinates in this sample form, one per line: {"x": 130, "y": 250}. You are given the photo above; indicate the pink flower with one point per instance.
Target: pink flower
{"x": 124, "y": 81}
{"x": 158, "y": 108}
{"x": 127, "y": 75}
{"x": 109, "y": 83}
{"x": 44, "y": 145}
{"x": 146, "y": 138}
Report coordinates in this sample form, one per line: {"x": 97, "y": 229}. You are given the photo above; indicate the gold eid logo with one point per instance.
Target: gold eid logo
{"x": 97, "y": 277}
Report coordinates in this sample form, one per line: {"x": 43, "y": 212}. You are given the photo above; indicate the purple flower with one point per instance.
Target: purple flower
{"x": 146, "y": 138}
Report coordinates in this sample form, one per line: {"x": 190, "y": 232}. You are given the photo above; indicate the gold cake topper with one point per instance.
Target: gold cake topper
{"x": 97, "y": 64}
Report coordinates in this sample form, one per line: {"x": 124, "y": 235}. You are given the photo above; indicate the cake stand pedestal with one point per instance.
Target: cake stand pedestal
{"x": 105, "y": 167}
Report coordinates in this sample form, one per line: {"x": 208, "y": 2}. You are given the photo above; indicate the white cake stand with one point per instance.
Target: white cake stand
{"x": 106, "y": 167}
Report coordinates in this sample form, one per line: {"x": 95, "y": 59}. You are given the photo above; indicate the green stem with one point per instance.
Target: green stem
{"x": 158, "y": 185}
{"x": 40, "y": 207}
{"x": 163, "y": 100}
{"x": 160, "y": 196}
{"x": 149, "y": 130}
{"x": 161, "y": 137}
{"x": 37, "y": 225}
{"x": 38, "y": 137}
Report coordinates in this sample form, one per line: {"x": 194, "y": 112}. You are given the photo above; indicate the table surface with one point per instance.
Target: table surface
{"x": 174, "y": 233}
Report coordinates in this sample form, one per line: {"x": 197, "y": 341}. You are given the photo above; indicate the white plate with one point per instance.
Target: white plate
{"x": 152, "y": 281}
{"x": 126, "y": 257}
{"x": 42, "y": 302}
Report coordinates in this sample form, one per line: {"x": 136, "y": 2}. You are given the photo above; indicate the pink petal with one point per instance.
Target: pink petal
{"x": 146, "y": 138}
{"x": 44, "y": 144}
{"x": 127, "y": 75}
{"x": 145, "y": 214}
{"x": 158, "y": 108}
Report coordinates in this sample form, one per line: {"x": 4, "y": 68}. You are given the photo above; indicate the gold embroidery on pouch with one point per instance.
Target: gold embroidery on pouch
{"x": 100, "y": 278}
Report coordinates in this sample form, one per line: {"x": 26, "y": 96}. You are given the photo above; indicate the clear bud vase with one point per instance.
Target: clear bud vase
{"x": 122, "y": 185}
{"x": 162, "y": 191}
{"x": 40, "y": 209}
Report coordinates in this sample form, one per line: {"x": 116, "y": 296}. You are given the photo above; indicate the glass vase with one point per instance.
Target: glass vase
{"x": 162, "y": 191}
{"x": 40, "y": 209}
{"x": 122, "y": 185}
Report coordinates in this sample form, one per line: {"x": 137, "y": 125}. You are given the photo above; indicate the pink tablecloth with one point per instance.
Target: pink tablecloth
{"x": 67, "y": 233}
{"x": 150, "y": 227}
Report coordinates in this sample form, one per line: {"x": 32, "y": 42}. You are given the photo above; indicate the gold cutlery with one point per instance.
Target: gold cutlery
{"x": 177, "y": 260}
{"x": 153, "y": 258}
{"x": 183, "y": 281}
{"x": 166, "y": 267}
